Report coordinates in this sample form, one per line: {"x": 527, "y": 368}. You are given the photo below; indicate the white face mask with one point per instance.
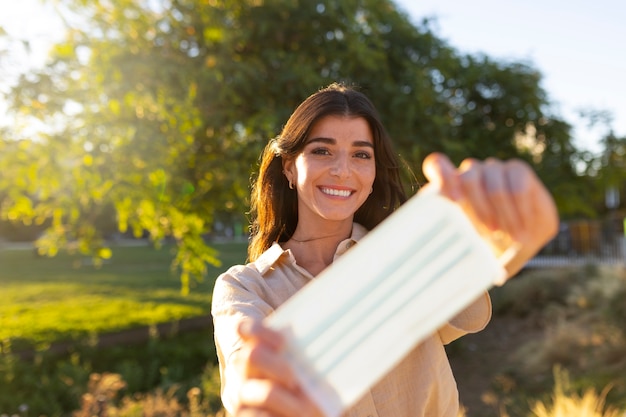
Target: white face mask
{"x": 439, "y": 264}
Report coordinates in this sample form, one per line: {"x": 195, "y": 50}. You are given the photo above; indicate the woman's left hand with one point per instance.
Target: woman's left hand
{"x": 499, "y": 197}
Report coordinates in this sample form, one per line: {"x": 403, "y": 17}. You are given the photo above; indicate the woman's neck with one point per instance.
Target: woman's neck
{"x": 314, "y": 247}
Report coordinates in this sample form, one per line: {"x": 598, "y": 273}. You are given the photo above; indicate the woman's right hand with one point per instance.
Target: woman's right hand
{"x": 269, "y": 386}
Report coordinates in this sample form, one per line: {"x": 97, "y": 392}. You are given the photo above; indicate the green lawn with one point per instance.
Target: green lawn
{"x": 43, "y": 300}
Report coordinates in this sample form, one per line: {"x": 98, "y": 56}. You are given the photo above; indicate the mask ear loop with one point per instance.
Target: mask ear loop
{"x": 509, "y": 250}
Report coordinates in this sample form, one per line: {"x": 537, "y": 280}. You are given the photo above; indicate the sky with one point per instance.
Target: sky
{"x": 577, "y": 45}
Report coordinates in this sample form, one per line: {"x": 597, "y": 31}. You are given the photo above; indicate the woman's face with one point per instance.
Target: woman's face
{"x": 335, "y": 171}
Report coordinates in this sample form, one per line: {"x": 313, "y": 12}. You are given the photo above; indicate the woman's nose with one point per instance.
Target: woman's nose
{"x": 341, "y": 167}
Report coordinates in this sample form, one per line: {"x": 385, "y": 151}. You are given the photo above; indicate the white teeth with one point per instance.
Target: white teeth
{"x": 340, "y": 193}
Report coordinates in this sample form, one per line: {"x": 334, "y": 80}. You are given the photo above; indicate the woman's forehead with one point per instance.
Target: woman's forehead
{"x": 340, "y": 128}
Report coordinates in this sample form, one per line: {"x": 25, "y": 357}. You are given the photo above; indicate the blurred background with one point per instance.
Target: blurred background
{"x": 130, "y": 129}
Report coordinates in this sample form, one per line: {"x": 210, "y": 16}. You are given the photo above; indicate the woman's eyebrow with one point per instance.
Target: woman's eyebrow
{"x": 328, "y": 141}
{"x": 331, "y": 141}
{"x": 363, "y": 143}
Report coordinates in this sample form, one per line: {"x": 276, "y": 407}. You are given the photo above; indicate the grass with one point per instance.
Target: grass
{"x": 53, "y": 385}
{"x": 579, "y": 312}
{"x": 567, "y": 403}
{"x": 66, "y": 297}
{"x": 45, "y": 300}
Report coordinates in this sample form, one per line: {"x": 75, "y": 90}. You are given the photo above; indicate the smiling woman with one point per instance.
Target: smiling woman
{"x": 327, "y": 179}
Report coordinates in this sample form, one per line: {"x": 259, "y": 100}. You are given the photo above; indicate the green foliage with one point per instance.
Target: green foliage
{"x": 136, "y": 287}
{"x": 533, "y": 291}
{"x": 160, "y": 110}
{"x": 53, "y": 386}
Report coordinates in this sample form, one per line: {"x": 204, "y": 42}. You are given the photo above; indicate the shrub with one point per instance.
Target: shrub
{"x": 52, "y": 385}
{"x": 105, "y": 399}
{"x": 534, "y": 290}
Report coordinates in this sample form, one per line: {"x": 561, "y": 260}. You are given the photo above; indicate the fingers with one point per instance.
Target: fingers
{"x": 261, "y": 355}
{"x": 493, "y": 194}
{"x": 524, "y": 187}
{"x": 257, "y": 361}
{"x": 440, "y": 172}
{"x": 255, "y": 330}
{"x": 269, "y": 386}
{"x": 261, "y": 399}
{"x": 505, "y": 200}
{"x": 269, "y": 399}
{"x": 264, "y": 397}
{"x": 252, "y": 412}
{"x": 474, "y": 198}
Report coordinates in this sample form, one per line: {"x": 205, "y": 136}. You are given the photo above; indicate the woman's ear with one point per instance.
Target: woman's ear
{"x": 289, "y": 169}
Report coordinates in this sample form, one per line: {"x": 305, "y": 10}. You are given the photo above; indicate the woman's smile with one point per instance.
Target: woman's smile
{"x": 336, "y": 192}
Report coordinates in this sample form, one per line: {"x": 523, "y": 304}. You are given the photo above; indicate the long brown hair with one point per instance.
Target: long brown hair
{"x": 274, "y": 207}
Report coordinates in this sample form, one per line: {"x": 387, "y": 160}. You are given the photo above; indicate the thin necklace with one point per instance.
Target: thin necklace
{"x": 311, "y": 239}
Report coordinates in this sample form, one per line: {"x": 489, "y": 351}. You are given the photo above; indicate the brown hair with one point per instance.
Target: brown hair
{"x": 274, "y": 207}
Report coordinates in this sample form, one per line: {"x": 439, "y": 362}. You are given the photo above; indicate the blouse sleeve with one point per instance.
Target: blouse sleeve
{"x": 235, "y": 297}
{"x": 472, "y": 319}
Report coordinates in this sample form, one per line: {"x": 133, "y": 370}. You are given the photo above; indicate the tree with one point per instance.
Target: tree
{"x": 610, "y": 179}
{"x": 160, "y": 109}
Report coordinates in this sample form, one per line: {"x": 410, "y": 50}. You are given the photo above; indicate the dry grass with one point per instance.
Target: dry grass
{"x": 103, "y": 400}
{"x": 585, "y": 330}
{"x": 565, "y": 404}
{"x": 572, "y": 318}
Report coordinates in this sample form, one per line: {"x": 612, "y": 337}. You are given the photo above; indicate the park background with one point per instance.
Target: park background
{"x": 126, "y": 156}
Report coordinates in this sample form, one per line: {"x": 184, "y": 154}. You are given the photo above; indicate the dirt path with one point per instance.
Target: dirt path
{"x": 480, "y": 362}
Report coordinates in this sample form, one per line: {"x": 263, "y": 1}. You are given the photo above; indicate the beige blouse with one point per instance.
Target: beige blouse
{"x": 422, "y": 384}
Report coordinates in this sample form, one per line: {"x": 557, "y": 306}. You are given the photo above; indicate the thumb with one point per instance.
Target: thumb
{"x": 442, "y": 173}
{"x": 250, "y": 329}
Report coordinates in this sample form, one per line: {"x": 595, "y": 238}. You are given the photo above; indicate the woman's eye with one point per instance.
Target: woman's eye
{"x": 320, "y": 151}
{"x": 363, "y": 155}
